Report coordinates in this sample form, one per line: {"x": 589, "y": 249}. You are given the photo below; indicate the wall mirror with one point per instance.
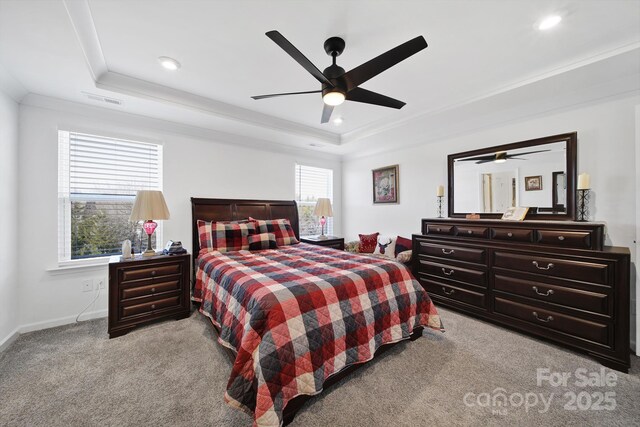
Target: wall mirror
{"x": 538, "y": 173}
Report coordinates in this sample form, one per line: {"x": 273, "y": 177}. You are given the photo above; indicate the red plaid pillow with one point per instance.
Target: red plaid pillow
{"x": 262, "y": 241}
{"x": 368, "y": 242}
{"x": 225, "y": 236}
{"x": 402, "y": 244}
{"x": 280, "y": 227}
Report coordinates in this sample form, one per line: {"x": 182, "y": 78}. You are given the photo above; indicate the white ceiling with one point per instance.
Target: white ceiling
{"x": 477, "y": 50}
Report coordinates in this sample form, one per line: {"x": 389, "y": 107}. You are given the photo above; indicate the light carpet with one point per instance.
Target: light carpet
{"x": 174, "y": 373}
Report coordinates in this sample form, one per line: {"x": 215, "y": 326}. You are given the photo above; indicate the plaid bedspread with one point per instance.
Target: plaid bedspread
{"x": 299, "y": 314}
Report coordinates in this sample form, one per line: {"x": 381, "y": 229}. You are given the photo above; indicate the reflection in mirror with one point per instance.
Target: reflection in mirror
{"x": 520, "y": 177}
{"x": 532, "y": 174}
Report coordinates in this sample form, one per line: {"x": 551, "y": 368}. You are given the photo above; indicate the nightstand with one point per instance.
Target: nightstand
{"x": 144, "y": 290}
{"x": 330, "y": 241}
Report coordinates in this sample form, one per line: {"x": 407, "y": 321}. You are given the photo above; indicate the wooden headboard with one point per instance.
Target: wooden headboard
{"x": 235, "y": 209}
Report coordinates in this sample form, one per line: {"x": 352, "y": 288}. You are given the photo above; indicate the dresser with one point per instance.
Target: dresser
{"x": 144, "y": 290}
{"x": 552, "y": 279}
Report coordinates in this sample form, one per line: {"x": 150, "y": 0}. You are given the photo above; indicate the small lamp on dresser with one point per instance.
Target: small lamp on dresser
{"x": 323, "y": 210}
{"x": 149, "y": 205}
{"x": 583, "y": 196}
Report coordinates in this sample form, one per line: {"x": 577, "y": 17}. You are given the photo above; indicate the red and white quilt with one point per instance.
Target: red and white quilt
{"x": 299, "y": 314}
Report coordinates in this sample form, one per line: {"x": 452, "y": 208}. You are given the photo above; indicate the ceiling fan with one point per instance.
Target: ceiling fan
{"x": 500, "y": 157}
{"x": 338, "y": 85}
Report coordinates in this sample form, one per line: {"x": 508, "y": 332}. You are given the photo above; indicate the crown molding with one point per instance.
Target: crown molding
{"x": 137, "y": 123}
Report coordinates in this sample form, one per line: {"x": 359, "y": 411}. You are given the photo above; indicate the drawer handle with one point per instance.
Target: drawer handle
{"x": 560, "y": 238}
{"x": 154, "y": 289}
{"x": 153, "y": 306}
{"x": 548, "y": 319}
{"x": 447, "y": 273}
{"x": 469, "y": 232}
{"x": 153, "y": 272}
{"x": 549, "y": 292}
{"x": 509, "y": 234}
{"x": 437, "y": 229}
{"x": 549, "y": 266}
{"x": 444, "y": 251}
{"x": 451, "y": 292}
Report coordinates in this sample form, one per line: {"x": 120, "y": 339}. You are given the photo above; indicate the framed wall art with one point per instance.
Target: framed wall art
{"x": 533, "y": 183}
{"x": 385, "y": 184}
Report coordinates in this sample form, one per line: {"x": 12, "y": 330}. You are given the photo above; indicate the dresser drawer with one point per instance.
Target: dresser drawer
{"x": 455, "y": 293}
{"x": 439, "y": 229}
{"x": 150, "y": 271}
{"x": 574, "y": 298}
{"x": 149, "y": 289}
{"x": 512, "y": 234}
{"x": 459, "y": 274}
{"x": 592, "y": 331}
{"x": 577, "y": 270}
{"x": 569, "y": 239}
{"x": 477, "y": 256}
{"x": 151, "y": 306}
{"x": 467, "y": 231}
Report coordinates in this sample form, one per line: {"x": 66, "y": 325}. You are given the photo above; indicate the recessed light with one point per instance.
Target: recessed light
{"x": 338, "y": 121}
{"x": 169, "y": 63}
{"x": 549, "y": 22}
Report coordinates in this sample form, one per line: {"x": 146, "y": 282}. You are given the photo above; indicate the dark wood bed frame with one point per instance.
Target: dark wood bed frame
{"x": 236, "y": 209}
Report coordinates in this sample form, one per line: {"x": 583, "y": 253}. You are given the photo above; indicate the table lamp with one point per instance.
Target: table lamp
{"x": 323, "y": 210}
{"x": 149, "y": 205}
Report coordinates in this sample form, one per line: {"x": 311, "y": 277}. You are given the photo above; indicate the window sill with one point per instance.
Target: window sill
{"x": 78, "y": 265}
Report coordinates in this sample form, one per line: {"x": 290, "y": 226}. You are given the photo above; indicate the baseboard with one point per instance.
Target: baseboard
{"x": 5, "y": 343}
{"x": 89, "y": 315}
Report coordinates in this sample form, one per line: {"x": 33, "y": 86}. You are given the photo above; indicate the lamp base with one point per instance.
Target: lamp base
{"x": 322, "y": 237}
{"x": 149, "y": 253}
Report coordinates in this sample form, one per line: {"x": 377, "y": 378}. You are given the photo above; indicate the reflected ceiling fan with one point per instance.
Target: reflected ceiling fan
{"x": 338, "y": 85}
{"x": 500, "y": 157}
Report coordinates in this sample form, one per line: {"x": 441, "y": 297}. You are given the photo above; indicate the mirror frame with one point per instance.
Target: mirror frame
{"x": 571, "y": 139}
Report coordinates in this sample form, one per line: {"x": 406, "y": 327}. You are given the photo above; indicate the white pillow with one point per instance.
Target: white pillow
{"x": 386, "y": 246}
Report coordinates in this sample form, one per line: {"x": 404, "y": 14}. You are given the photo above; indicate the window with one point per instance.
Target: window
{"x": 311, "y": 184}
{"x": 97, "y": 182}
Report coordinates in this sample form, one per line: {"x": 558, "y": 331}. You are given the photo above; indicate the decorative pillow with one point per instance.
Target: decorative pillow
{"x": 385, "y": 246}
{"x": 353, "y": 246}
{"x": 402, "y": 244}
{"x": 368, "y": 242}
{"x": 404, "y": 256}
{"x": 225, "y": 236}
{"x": 280, "y": 227}
{"x": 262, "y": 241}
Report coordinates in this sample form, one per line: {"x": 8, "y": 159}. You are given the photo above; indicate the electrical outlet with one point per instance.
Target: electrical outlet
{"x": 101, "y": 283}
{"x": 87, "y": 285}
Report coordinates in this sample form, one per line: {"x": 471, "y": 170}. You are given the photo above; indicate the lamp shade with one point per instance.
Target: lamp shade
{"x": 149, "y": 205}
{"x": 323, "y": 207}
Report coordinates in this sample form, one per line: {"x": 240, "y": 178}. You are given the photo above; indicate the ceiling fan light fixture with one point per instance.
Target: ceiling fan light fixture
{"x": 169, "y": 63}
{"x": 501, "y": 157}
{"x": 333, "y": 98}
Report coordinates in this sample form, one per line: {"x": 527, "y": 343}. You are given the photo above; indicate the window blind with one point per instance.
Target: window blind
{"x": 98, "y": 180}
{"x": 312, "y": 183}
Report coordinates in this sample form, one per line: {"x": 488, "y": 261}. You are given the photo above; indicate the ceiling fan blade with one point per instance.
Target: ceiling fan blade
{"x": 273, "y": 95}
{"x": 484, "y": 161}
{"x": 368, "y": 97}
{"x": 489, "y": 158}
{"x": 326, "y": 113}
{"x": 377, "y": 65}
{"x": 528, "y": 152}
{"x": 298, "y": 56}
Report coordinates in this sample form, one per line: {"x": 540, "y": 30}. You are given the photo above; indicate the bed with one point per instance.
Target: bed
{"x": 298, "y": 318}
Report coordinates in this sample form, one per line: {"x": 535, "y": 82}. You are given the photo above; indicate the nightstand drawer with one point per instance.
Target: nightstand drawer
{"x": 150, "y": 272}
{"x": 151, "y": 306}
{"x": 148, "y": 289}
